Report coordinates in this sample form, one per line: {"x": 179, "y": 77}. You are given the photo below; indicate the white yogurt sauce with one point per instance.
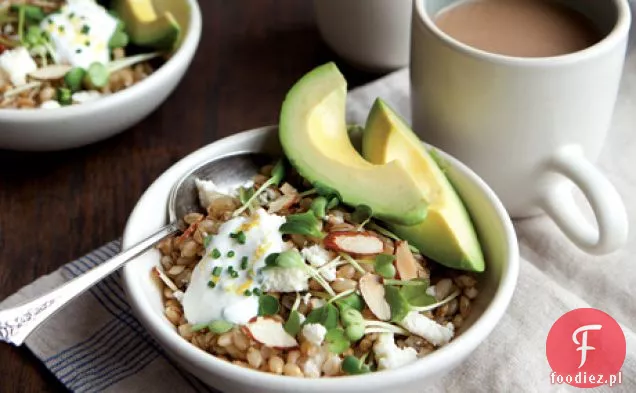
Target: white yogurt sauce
{"x": 80, "y": 33}
{"x": 226, "y": 300}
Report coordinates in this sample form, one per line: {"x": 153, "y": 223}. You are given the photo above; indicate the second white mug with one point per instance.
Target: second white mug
{"x": 529, "y": 126}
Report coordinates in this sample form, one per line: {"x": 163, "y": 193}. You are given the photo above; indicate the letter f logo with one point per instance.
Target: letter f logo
{"x": 583, "y": 344}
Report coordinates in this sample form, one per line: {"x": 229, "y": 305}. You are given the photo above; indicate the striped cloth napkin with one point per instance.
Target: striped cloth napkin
{"x": 96, "y": 344}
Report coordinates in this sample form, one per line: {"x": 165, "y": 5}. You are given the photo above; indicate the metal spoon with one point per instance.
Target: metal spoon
{"x": 18, "y": 322}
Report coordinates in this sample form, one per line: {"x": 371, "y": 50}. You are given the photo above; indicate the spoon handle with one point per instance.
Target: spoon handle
{"x": 18, "y": 322}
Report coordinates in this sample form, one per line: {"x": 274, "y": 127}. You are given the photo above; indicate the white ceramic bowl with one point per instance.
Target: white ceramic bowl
{"x": 497, "y": 286}
{"x": 79, "y": 125}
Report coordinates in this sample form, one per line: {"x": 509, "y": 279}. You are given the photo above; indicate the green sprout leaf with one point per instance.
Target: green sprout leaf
{"x": 326, "y": 315}
{"x": 286, "y": 259}
{"x": 64, "y": 96}
{"x": 351, "y": 365}
{"x": 292, "y": 326}
{"x": 119, "y": 39}
{"x": 384, "y": 265}
{"x": 354, "y": 301}
{"x": 337, "y": 340}
{"x": 97, "y": 75}
{"x": 245, "y": 194}
{"x": 302, "y": 224}
{"x": 73, "y": 79}
{"x": 267, "y": 305}
{"x": 354, "y": 323}
{"x": 220, "y": 326}
{"x": 416, "y": 295}
{"x": 278, "y": 173}
{"x": 361, "y": 214}
{"x": 398, "y": 304}
{"x": 319, "y": 207}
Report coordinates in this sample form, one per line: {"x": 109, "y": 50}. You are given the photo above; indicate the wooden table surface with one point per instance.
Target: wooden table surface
{"x": 58, "y": 206}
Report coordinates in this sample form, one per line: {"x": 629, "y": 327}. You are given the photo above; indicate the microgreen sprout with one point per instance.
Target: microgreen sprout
{"x": 307, "y": 193}
{"x": 292, "y": 326}
{"x": 412, "y": 298}
{"x": 97, "y": 75}
{"x": 362, "y": 215}
{"x": 351, "y": 365}
{"x": 384, "y": 265}
{"x": 302, "y": 224}
{"x": 337, "y": 340}
{"x": 64, "y": 96}
{"x": 341, "y": 295}
{"x": 244, "y": 196}
{"x": 319, "y": 207}
{"x": 354, "y": 323}
{"x": 278, "y": 172}
{"x": 326, "y": 315}
{"x": 352, "y": 262}
{"x": 352, "y": 300}
{"x": 267, "y": 305}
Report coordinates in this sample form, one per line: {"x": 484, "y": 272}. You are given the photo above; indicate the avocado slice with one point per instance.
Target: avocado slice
{"x": 447, "y": 234}
{"x": 145, "y": 27}
{"x": 313, "y": 134}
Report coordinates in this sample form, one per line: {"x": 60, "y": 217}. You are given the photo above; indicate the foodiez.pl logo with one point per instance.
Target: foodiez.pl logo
{"x": 586, "y": 348}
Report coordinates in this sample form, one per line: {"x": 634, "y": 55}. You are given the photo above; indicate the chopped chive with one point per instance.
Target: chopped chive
{"x": 78, "y": 50}
{"x": 230, "y": 254}
{"x": 211, "y": 284}
{"x": 86, "y": 29}
{"x": 216, "y": 272}
{"x": 71, "y": 15}
{"x": 244, "y": 262}
{"x": 257, "y": 292}
{"x": 216, "y": 253}
{"x": 247, "y": 292}
{"x": 87, "y": 43}
{"x": 234, "y": 274}
{"x": 240, "y": 237}
{"x": 61, "y": 28}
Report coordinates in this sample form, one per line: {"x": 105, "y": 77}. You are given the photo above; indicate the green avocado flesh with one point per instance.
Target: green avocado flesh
{"x": 145, "y": 27}
{"x": 313, "y": 134}
{"x": 447, "y": 234}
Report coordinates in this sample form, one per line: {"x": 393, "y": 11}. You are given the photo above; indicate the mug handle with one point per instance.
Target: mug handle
{"x": 610, "y": 234}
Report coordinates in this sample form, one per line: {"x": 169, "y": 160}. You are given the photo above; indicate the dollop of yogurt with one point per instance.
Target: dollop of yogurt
{"x": 80, "y": 33}
{"x": 214, "y": 292}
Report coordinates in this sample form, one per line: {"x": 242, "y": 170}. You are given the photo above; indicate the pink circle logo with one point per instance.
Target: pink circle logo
{"x": 586, "y": 348}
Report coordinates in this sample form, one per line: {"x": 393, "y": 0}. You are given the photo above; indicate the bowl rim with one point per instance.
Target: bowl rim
{"x": 184, "y": 53}
{"x": 434, "y": 363}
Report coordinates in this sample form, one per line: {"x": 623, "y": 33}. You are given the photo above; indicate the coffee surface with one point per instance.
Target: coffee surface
{"x": 519, "y": 28}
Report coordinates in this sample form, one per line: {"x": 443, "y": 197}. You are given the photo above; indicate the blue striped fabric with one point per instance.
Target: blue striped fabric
{"x": 120, "y": 348}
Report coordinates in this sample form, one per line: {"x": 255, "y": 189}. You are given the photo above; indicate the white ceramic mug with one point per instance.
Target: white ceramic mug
{"x": 530, "y": 127}
{"x": 370, "y": 34}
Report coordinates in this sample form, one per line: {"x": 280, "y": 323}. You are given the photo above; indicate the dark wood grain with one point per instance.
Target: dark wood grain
{"x": 57, "y": 206}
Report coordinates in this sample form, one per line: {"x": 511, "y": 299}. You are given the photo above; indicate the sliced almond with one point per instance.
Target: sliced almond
{"x": 283, "y": 202}
{"x": 353, "y": 242}
{"x": 288, "y": 189}
{"x": 372, "y": 292}
{"x": 270, "y": 332}
{"x": 51, "y": 72}
{"x": 405, "y": 263}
